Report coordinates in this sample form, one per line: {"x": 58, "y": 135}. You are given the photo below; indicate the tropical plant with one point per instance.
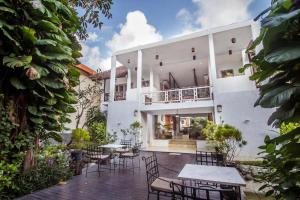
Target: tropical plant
{"x": 197, "y": 125}
{"x": 52, "y": 167}
{"x": 38, "y": 53}
{"x": 78, "y": 138}
{"x": 277, "y": 74}
{"x": 136, "y": 131}
{"x": 288, "y": 127}
{"x": 99, "y": 135}
{"x": 226, "y": 139}
{"x": 94, "y": 115}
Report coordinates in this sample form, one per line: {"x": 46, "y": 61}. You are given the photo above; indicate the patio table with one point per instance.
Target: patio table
{"x": 213, "y": 174}
{"x": 112, "y": 146}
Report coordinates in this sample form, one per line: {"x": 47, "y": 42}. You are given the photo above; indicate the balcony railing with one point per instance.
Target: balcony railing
{"x": 178, "y": 95}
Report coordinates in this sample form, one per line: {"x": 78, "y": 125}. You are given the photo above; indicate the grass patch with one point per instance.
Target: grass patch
{"x": 254, "y": 196}
{"x": 250, "y": 162}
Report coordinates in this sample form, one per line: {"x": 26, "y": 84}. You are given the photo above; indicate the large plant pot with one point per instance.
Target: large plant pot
{"x": 76, "y": 155}
{"x": 76, "y": 163}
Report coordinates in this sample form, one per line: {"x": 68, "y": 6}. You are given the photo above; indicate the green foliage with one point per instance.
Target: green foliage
{"x": 226, "y": 138}
{"x": 94, "y": 115}
{"x": 79, "y": 137}
{"x": 37, "y": 95}
{"x": 197, "y": 126}
{"x": 288, "y": 127}
{"x": 88, "y": 97}
{"x": 93, "y": 12}
{"x": 210, "y": 129}
{"x": 10, "y": 151}
{"x": 99, "y": 135}
{"x": 278, "y": 70}
{"x": 51, "y": 168}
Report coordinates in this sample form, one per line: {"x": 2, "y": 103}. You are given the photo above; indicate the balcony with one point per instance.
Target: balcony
{"x": 178, "y": 95}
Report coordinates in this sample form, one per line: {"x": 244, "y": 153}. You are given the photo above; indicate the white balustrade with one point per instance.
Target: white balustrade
{"x": 178, "y": 95}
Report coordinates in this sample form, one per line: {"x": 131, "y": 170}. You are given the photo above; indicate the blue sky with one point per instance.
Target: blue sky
{"x": 136, "y": 22}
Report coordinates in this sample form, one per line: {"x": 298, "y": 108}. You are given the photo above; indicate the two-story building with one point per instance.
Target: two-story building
{"x": 166, "y": 85}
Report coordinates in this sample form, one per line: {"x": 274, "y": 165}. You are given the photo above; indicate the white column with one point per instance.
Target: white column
{"x": 128, "y": 82}
{"x": 255, "y": 29}
{"x": 150, "y": 129}
{"x": 112, "y": 78}
{"x": 151, "y": 80}
{"x": 139, "y": 76}
{"x": 212, "y": 59}
{"x": 213, "y": 71}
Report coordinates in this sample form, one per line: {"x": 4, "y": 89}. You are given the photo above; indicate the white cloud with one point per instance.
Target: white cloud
{"x": 187, "y": 19}
{"x": 91, "y": 56}
{"x": 135, "y": 31}
{"x": 92, "y": 36}
{"x": 214, "y": 13}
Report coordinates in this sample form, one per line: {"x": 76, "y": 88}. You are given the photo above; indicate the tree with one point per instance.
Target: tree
{"x": 38, "y": 51}
{"x": 92, "y": 14}
{"x": 88, "y": 96}
{"x": 278, "y": 74}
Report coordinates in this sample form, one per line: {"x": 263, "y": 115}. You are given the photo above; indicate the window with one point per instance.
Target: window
{"x": 227, "y": 73}
{"x": 145, "y": 84}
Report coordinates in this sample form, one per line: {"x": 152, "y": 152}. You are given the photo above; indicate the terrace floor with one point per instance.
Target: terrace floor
{"x": 123, "y": 184}
{"x": 118, "y": 185}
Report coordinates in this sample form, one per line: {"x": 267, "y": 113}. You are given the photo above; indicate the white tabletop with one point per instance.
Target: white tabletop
{"x": 213, "y": 174}
{"x": 112, "y": 146}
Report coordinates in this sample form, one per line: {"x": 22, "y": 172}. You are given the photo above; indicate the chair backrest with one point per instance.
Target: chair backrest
{"x": 126, "y": 143}
{"x": 93, "y": 150}
{"x": 136, "y": 148}
{"x": 210, "y": 158}
{"x": 202, "y": 192}
{"x": 151, "y": 169}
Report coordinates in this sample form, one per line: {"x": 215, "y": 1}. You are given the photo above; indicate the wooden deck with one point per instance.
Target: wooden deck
{"x": 118, "y": 185}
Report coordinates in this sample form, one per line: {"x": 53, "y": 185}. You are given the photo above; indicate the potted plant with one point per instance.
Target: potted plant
{"x": 79, "y": 137}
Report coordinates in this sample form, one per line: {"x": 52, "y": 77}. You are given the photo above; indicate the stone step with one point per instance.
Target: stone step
{"x": 182, "y": 142}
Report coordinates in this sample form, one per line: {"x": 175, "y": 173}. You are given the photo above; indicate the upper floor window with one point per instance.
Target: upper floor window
{"x": 227, "y": 73}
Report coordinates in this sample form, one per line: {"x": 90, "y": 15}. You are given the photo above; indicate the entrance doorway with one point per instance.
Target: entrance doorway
{"x": 183, "y": 126}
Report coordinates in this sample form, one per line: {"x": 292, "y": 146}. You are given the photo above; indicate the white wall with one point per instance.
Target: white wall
{"x": 120, "y": 116}
{"x": 238, "y": 110}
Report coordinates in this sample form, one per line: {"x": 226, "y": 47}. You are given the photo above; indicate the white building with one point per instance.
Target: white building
{"x": 172, "y": 81}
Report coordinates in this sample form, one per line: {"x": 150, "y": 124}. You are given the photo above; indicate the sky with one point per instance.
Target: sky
{"x": 137, "y": 22}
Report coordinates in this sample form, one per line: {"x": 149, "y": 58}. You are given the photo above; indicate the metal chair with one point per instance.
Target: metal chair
{"x": 126, "y": 143}
{"x": 156, "y": 184}
{"x": 132, "y": 155}
{"x": 94, "y": 154}
{"x": 210, "y": 158}
{"x": 201, "y": 192}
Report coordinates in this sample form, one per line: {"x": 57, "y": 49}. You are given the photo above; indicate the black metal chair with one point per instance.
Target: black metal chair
{"x": 210, "y": 158}
{"x": 126, "y": 143}
{"x": 201, "y": 192}
{"x": 156, "y": 184}
{"x": 133, "y": 154}
{"x": 94, "y": 154}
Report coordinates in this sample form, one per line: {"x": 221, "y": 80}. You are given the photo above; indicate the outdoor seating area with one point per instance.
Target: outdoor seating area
{"x": 112, "y": 156}
{"x": 161, "y": 176}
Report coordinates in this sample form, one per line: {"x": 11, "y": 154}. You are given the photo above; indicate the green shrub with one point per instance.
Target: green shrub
{"x": 52, "y": 166}
{"x": 99, "y": 135}
{"x": 226, "y": 138}
{"x": 79, "y": 137}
